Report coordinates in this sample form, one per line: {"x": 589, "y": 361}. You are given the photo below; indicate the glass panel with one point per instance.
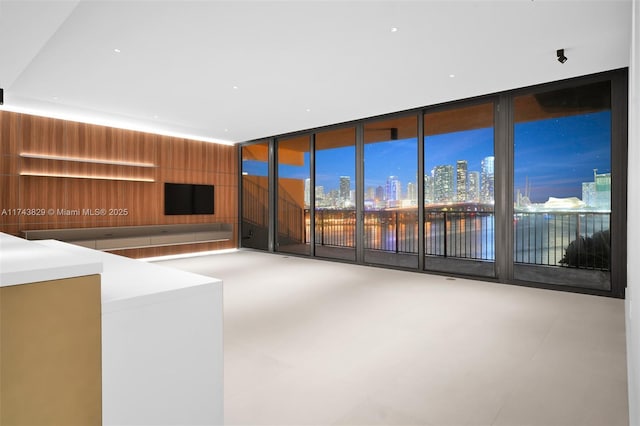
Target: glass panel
{"x": 459, "y": 190}
{"x": 390, "y": 192}
{"x": 294, "y": 181}
{"x": 562, "y": 186}
{"x": 255, "y": 196}
{"x": 335, "y": 212}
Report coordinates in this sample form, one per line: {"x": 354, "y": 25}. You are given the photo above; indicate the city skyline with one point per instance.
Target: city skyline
{"x": 546, "y": 161}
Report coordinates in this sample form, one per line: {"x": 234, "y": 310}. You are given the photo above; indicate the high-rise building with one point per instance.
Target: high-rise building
{"x": 461, "y": 181}
{"x": 443, "y": 183}
{"x": 473, "y": 190}
{"x": 345, "y": 189}
{"x": 412, "y": 193}
{"x": 428, "y": 189}
{"x": 380, "y": 194}
{"x": 488, "y": 180}
{"x": 393, "y": 191}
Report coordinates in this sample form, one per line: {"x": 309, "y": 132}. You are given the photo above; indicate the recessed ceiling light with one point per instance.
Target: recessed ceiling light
{"x": 394, "y": 29}
{"x": 55, "y": 98}
{"x": 235, "y": 87}
{"x": 226, "y": 130}
{"x": 308, "y": 109}
{"x": 117, "y": 50}
{"x": 452, "y": 75}
{"x": 156, "y": 117}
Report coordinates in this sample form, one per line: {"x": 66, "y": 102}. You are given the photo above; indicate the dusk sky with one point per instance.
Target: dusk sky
{"x": 557, "y": 155}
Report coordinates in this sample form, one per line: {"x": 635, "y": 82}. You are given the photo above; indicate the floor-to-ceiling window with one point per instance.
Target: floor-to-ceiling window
{"x": 255, "y": 195}
{"x": 562, "y": 186}
{"x": 335, "y": 207}
{"x": 526, "y": 186}
{"x": 294, "y": 195}
{"x": 459, "y": 189}
{"x": 391, "y": 192}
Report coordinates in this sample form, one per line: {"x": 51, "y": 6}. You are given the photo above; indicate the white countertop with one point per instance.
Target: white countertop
{"x": 23, "y": 262}
{"x": 127, "y": 283}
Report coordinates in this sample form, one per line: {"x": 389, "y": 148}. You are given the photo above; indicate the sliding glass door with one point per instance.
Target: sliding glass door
{"x": 391, "y": 192}
{"x": 459, "y": 190}
{"x": 562, "y": 186}
{"x": 255, "y": 195}
{"x": 335, "y": 207}
{"x": 526, "y": 186}
{"x": 294, "y": 181}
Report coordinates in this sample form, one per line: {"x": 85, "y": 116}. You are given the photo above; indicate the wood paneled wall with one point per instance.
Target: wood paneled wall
{"x": 157, "y": 159}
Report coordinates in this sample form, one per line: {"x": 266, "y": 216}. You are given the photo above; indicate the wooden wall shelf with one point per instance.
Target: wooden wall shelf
{"x": 86, "y": 160}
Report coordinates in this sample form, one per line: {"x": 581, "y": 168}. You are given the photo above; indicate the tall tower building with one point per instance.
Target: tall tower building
{"x": 345, "y": 189}
{"x": 412, "y": 193}
{"x": 443, "y": 183}
{"x": 473, "y": 190}
{"x": 393, "y": 191}
{"x": 461, "y": 181}
{"x": 428, "y": 189}
{"x": 488, "y": 180}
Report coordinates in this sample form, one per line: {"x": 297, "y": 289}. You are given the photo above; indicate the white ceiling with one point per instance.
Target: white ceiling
{"x": 294, "y": 64}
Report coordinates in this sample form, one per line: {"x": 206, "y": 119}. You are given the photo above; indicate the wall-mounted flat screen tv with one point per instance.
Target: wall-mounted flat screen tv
{"x": 186, "y": 198}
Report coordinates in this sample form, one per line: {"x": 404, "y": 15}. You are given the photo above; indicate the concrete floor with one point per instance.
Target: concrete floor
{"x": 311, "y": 342}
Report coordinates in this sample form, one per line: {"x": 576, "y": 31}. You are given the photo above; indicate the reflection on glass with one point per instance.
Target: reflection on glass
{"x": 293, "y": 195}
{"x": 459, "y": 185}
{"x": 391, "y": 192}
{"x": 335, "y": 214}
{"x": 562, "y": 177}
{"x": 255, "y": 196}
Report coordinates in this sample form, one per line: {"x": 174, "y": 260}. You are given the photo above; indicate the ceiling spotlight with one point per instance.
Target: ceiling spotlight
{"x": 561, "y": 58}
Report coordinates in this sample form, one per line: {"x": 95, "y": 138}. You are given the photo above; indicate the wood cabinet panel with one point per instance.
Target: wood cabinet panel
{"x": 41, "y": 135}
{"x": 173, "y": 159}
{"x": 9, "y": 133}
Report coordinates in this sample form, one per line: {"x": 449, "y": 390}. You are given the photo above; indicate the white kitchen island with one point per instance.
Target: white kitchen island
{"x": 162, "y": 347}
{"x": 50, "y": 334}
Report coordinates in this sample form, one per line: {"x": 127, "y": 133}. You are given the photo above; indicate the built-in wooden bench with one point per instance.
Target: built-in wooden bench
{"x": 133, "y": 237}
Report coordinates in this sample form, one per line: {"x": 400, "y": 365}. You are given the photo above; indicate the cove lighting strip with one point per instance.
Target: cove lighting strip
{"x": 86, "y": 160}
{"x": 114, "y": 123}
{"x": 64, "y": 175}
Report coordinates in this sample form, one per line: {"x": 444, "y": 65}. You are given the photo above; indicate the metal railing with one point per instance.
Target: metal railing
{"x": 571, "y": 239}
{"x": 391, "y": 230}
{"x": 336, "y": 228}
{"x": 459, "y": 234}
{"x": 255, "y": 203}
{"x": 568, "y": 239}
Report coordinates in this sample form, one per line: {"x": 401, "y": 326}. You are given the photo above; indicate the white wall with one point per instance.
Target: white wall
{"x": 633, "y": 234}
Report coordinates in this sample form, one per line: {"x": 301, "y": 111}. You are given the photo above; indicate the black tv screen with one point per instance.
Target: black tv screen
{"x": 186, "y": 198}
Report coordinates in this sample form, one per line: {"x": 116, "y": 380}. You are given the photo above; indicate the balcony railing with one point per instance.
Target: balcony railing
{"x": 568, "y": 239}
{"x": 571, "y": 239}
{"x": 459, "y": 234}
